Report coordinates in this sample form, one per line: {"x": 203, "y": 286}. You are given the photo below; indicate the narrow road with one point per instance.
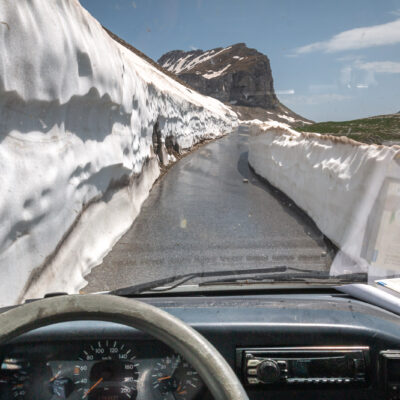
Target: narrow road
{"x": 202, "y": 216}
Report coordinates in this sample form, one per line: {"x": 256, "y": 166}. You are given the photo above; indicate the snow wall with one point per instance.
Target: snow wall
{"x": 77, "y": 113}
{"x": 338, "y": 182}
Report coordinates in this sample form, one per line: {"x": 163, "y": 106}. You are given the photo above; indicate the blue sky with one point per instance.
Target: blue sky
{"x": 331, "y": 60}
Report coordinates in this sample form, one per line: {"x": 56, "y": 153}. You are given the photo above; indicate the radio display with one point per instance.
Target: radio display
{"x": 335, "y": 367}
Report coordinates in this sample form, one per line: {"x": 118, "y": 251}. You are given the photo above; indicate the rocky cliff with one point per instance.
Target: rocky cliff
{"x": 236, "y": 75}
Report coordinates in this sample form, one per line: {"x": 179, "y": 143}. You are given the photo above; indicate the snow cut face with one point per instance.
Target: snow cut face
{"x": 337, "y": 182}
{"x": 77, "y": 117}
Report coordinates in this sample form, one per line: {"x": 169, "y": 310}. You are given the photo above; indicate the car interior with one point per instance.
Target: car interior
{"x": 281, "y": 344}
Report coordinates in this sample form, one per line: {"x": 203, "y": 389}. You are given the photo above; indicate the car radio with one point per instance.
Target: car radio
{"x": 303, "y": 365}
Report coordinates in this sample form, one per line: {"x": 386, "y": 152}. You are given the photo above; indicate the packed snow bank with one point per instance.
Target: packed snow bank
{"x": 338, "y": 182}
{"x": 77, "y": 120}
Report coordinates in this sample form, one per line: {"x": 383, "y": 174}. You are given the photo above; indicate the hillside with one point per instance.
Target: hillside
{"x": 236, "y": 75}
{"x": 380, "y": 129}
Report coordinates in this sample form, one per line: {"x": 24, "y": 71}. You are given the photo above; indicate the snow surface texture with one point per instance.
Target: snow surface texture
{"x": 335, "y": 180}
{"x": 77, "y": 112}
{"x": 187, "y": 63}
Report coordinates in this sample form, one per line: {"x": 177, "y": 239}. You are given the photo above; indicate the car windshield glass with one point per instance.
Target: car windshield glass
{"x": 163, "y": 144}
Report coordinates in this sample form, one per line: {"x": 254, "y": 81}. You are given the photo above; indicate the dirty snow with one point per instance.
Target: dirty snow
{"x": 290, "y": 119}
{"x": 336, "y": 181}
{"x": 76, "y": 123}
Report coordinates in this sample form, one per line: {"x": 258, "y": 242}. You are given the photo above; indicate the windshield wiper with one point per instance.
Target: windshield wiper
{"x": 258, "y": 274}
{"x": 309, "y": 277}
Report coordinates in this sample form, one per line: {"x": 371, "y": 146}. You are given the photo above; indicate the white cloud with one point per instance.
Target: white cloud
{"x": 380, "y": 67}
{"x": 358, "y": 38}
{"x": 289, "y": 91}
{"x": 362, "y": 86}
{"x": 193, "y": 47}
{"x": 350, "y": 58}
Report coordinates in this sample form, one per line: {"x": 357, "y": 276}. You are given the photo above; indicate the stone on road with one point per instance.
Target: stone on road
{"x": 211, "y": 212}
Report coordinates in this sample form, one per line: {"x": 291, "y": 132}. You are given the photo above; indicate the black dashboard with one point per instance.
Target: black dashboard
{"x": 108, "y": 361}
{"x": 101, "y": 369}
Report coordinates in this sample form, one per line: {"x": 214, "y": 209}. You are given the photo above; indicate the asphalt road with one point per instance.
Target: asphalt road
{"x": 202, "y": 216}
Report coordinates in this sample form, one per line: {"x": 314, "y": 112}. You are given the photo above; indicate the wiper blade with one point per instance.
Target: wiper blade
{"x": 177, "y": 280}
{"x": 309, "y": 277}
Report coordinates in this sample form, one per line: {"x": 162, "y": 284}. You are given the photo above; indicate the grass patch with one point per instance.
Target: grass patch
{"x": 379, "y": 129}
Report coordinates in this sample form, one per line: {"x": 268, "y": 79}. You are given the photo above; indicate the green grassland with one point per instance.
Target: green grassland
{"x": 380, "y": 129}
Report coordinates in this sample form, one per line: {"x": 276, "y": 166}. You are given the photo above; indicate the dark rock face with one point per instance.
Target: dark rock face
{"x": 236, "y": 74}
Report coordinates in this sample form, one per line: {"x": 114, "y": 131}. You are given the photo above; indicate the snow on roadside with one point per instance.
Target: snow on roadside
{"x": 337, "y": 182}
{"x": 77, "y": 113}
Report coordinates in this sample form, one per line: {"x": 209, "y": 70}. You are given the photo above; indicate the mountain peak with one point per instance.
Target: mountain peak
{"x": 235, "y": 74}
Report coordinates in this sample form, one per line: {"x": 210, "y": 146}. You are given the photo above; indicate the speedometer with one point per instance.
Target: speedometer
{"x": 109, "y": 372}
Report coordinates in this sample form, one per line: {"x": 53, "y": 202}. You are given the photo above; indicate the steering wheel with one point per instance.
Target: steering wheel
{"x": 201, "y": 354}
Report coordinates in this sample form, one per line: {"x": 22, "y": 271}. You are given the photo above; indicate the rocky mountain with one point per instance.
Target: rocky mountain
{"x": 236, "y": 75}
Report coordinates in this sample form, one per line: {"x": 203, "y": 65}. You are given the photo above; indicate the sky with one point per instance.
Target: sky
{"x": 331, "y": 60}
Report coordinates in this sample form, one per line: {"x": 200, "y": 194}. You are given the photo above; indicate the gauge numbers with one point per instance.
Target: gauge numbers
{"x": 109, "y": 371}
{"x": 173, "y": 378}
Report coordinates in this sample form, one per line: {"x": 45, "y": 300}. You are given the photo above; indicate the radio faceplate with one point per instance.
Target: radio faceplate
{"x": 303, "y": 365}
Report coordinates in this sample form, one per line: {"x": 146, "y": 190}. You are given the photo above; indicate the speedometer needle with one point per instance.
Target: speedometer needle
{"x": 164, "y": 378}
{"x": 99, "y": 381}
{"x": 55, "y": 376}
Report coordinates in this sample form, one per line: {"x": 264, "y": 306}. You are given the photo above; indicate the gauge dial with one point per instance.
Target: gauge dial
{"x": 59, "y": 380}
{"x": 109, "y": 372}
{"x": 173, "y": 378}
{"x": 17, "y": 373}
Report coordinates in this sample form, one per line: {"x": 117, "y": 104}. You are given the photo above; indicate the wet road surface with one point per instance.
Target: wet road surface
{"x": 202, "y": 216}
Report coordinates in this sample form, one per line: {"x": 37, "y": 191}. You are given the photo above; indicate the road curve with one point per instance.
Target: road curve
{"x": 203, "y": 215}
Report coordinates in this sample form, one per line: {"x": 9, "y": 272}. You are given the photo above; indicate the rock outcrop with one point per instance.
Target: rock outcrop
{"x": 236, "y": 75}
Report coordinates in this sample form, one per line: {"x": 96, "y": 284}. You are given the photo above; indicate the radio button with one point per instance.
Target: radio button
{"x": 253, "y": 381}
{"x": 282, "y": 364}
{"x": 252, "y": 371}
{"x": 253, "y": 363}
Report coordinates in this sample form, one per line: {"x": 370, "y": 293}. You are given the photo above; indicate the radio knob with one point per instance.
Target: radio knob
{"x": 268, "y": 371}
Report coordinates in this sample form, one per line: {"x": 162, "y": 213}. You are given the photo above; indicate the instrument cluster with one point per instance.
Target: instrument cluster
{"x": 97, "y": 370}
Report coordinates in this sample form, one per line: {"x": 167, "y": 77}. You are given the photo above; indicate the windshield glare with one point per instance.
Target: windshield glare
{"x": 207, "y": 143}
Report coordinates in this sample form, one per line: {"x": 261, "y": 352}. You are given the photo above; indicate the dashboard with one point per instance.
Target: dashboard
{"x": 332, "y": 347}
{"x": 106, "y": 369}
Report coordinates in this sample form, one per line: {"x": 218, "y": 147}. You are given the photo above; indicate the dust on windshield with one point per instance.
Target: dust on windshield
{"x": 171, "y": 141}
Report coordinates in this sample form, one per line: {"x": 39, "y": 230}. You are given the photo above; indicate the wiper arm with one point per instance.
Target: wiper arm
{"x": 177, "y": 280}
{"x": 309, "y": 276}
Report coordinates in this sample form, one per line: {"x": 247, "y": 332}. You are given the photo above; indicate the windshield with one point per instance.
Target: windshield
{"x": 186, "y": 143}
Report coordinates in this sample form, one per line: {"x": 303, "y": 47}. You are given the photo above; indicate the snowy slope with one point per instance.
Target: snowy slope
{"x": 335, "y": 180}
{"x": 77, "y": 112}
